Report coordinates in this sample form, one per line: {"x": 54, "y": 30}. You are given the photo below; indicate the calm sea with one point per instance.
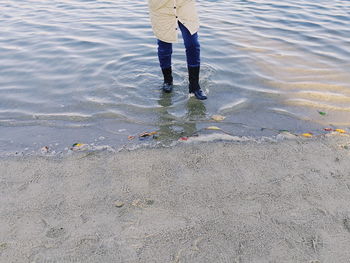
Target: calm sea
{"x": 87, "y": 71}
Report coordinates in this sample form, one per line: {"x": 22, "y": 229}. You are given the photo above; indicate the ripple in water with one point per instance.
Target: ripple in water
{"x": 81, "y": 70}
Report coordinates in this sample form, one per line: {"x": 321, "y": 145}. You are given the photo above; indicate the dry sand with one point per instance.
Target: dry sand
{"x": 212, "y": 202}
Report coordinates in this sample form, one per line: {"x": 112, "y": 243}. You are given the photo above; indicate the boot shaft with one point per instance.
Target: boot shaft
{"x": 193, "y": 77}
{"x": 167, "y": 74}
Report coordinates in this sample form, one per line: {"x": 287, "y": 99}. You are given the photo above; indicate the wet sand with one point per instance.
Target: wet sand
{"x": 284, "y": 201}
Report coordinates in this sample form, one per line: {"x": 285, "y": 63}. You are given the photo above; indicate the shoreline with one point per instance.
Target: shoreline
{"x": 56, "y": 150}
{"x": 285, "y": 201}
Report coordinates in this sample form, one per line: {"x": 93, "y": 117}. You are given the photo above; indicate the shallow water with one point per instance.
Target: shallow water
{"x": 87, "y": 71}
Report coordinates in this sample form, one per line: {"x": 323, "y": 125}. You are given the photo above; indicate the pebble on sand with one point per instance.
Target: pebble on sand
{"x": 118, "y": 204}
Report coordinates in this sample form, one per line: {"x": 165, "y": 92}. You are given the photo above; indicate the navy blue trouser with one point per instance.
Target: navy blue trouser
{"x": 192, "y": 49}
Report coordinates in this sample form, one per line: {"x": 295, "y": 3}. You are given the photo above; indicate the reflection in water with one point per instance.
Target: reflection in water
{"x": 195, "y": 109}
{"x": 75, "y": 72}
{"x": 171, "y": 128}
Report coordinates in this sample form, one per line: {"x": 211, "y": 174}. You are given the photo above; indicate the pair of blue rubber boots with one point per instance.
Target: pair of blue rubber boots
{"x": 193, "y": 77}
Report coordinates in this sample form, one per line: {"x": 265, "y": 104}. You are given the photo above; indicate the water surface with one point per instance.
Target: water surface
{"x": 87, "y": 71}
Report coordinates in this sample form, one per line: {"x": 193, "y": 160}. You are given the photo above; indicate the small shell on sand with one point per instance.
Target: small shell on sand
{"x": 118, "y": 204}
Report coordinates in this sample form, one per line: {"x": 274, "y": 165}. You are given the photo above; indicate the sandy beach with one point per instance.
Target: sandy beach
{"x": 100, "y": 163}
{"x": 284, "y": 201}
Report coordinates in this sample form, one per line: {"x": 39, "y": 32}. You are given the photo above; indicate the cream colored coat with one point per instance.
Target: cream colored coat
{"x": 166, "y": 13}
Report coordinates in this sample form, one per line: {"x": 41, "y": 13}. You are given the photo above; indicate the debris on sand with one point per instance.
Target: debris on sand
{"x": 118, "y": 204}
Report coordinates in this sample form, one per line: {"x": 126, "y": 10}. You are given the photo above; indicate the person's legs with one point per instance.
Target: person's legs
{"x": 165, "y": 51}
{"x": 192, "y": 46}
{"x": 193, "y": 61}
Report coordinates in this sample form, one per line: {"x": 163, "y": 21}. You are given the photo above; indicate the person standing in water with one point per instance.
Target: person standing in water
{"x": 167, "y": 16}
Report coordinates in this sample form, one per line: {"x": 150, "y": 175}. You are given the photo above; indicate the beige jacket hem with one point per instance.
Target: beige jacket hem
{"x": 165, "y": 14}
